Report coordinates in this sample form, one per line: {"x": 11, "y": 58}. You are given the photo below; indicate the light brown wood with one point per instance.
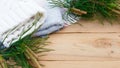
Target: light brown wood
{"x": 92, "y": 26}
{"x": 84, "y": 46}
{"x": 89, "y": 46}
{"x": 81, "y": 64}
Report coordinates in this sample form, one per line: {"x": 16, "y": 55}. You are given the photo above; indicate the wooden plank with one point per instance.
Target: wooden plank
{"x": 84, "y": 46}
{"x": 81, "y": 64}
{"x": 92, "y": 26}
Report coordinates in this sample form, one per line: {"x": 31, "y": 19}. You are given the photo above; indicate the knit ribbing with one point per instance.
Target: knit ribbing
{"x": 18, "y": 16}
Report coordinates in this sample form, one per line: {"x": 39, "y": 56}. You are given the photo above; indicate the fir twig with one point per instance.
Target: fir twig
{"x": 107, "y": 9}
{"x": 78, "y": 11}
{"x": 2, "y": 63}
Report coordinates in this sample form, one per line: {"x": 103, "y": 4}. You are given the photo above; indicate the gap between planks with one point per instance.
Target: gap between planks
{"x": 92, "y": 26}
{"x": 80, "y": 47}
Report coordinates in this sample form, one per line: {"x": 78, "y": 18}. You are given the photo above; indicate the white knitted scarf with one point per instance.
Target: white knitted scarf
{"x": 19, "y": 18}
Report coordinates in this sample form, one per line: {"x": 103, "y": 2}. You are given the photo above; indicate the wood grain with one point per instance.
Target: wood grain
{"x": 89, "y": 46}
{"x": 76, "y": 46}
{"x": 92, "y": 26}
{"x": 83, "y": 64}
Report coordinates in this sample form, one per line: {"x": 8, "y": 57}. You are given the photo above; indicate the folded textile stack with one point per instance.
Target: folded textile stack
{"x": 20, "y": 18}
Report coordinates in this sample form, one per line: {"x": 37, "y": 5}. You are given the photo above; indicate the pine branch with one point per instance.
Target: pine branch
{"x": 77, "y": 11}
{"x": 107, "y": 9}
{"x": 2, "y": 63}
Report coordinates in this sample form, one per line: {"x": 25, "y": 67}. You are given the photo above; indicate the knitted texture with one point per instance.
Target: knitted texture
{"x": 53, "y": 21}
{"x": 17, "y": 19}
{"x": 19, "y": 16}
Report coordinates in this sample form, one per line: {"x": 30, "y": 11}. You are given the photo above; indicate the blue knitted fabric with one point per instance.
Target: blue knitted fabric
{"x": 52, "y": 24}
{"x": 53, "y": 21}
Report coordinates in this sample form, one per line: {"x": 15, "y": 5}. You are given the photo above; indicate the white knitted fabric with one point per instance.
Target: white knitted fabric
{"x": 17, "y": 16}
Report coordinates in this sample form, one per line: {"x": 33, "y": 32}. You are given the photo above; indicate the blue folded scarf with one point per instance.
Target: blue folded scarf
{"x": 53, "y": 21}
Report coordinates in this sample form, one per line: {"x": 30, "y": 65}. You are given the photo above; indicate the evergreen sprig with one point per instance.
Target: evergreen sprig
{"x": 105, "y": 9}
{"x": 24, "y": 51}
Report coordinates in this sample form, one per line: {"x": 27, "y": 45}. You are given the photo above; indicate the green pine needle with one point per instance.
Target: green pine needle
{"x": 18, "y": 50}
{"x": 105, "y": 9}
{"x": 24, "y": 51}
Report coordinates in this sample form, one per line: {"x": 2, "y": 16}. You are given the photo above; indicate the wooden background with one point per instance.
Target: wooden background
{"x": 91, "y": 45}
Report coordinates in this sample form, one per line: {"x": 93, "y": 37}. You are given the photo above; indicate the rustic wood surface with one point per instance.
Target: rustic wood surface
{"x": 91, "y": 45}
